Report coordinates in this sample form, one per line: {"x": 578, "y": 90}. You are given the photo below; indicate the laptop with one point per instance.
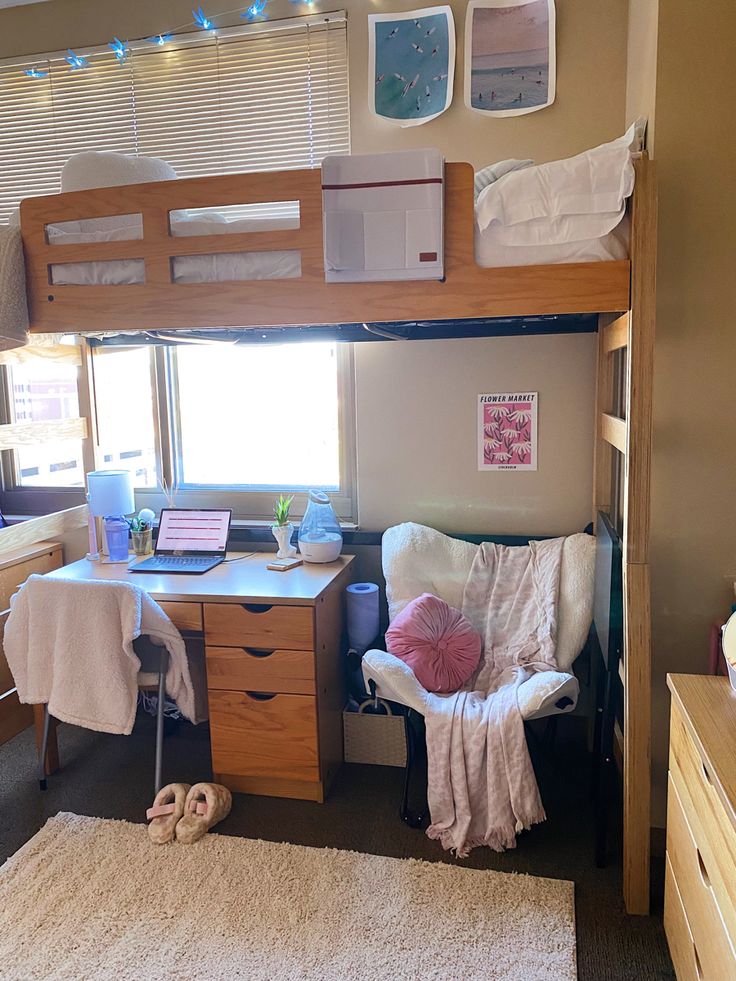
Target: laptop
{"x": 190, "y": 541}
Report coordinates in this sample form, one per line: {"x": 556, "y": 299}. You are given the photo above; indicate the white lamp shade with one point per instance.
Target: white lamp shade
{"x": 110, "y": 493}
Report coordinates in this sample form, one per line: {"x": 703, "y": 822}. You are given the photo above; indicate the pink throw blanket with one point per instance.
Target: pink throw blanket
{"x": 481, "y": 788}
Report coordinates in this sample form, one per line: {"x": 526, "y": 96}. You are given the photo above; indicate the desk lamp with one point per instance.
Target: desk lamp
{"x": 110, "y": 495}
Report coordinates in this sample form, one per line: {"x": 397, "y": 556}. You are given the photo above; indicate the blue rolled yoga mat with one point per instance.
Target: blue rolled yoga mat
{"x": 362, "y": 615}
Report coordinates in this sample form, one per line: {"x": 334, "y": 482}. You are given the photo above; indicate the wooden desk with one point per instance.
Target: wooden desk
{"x": 275, "y": 677}
{"x": 700, "y": 874}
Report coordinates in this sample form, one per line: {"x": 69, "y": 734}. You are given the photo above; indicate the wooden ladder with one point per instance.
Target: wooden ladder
{"x": 622, "y": 468}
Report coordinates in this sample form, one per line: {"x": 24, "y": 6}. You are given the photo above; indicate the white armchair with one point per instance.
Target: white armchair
{"x": 417, "y": 560}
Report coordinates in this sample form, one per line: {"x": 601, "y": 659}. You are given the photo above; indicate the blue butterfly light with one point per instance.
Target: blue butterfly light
{"x": 119, "y": 49}
{"x": 159, "y": 39}
{"x": 35, "y": 73}
{"x": 75, "y": 61}
{"x": 202, "y": 20}
{"x": 256, "y": 9}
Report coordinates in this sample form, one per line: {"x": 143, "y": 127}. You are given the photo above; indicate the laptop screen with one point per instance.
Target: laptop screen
{"x": 184, "y": 531}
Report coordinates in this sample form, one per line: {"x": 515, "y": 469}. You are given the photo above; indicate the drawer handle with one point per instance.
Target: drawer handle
{"x": 258, "y": 651}
{"x": 257, "y": 607}
{"x": 706, "y": 774}
{"x": 703, "y": 871}
{"x": 261, "y": 696}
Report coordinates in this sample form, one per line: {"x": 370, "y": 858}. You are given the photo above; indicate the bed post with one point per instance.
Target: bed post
{"x": 637, "y": 507}
{"x": 622, "y": 463}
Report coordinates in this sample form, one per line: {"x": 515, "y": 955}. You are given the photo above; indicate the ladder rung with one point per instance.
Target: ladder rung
{"x": 613, "y": 430}
{"x": 616, "y": 335}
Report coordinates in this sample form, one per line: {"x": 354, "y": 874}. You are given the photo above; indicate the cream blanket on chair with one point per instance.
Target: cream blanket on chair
{"x": 481, "y": 788}
{"x": 70, "y": 644}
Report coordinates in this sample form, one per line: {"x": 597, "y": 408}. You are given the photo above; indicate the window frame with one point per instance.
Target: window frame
{"x": 249, "y": 505}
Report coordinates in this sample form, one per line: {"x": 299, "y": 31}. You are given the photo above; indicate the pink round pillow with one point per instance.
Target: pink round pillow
{"x": 439, "y": 644}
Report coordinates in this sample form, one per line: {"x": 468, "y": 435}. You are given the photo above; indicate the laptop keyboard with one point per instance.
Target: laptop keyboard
{"x": 181, "y": 560}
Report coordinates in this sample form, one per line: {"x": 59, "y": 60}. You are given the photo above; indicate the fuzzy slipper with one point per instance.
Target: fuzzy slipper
{"x": 206, "y": 804}
{"x": 168, "y": 807}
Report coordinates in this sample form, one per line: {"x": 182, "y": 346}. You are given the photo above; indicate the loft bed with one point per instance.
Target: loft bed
{"x": 614, "y": 297}
{"x": 468, "y": 290}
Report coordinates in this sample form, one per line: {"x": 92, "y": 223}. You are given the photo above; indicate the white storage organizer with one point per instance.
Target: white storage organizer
{"x": 383, "y": 216}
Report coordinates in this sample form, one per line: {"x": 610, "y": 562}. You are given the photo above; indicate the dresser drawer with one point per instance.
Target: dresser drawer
{"x": 685, "y": 957}
{"x": 707, "y": 817}
{"x": 254, "y": 669}
{"x": 271, "y": 737}
{"x": 256, "y": 625}
{"x": 690, "y": 870}
{"x": 185, "y": 616}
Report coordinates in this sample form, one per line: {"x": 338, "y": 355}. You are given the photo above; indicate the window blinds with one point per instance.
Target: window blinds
{"x": 260, "y": 97}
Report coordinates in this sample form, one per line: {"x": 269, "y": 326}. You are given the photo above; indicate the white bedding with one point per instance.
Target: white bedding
{"x": 225, "y": 267}
{"x": 490, "y": 251}
{"x": 570, "y": 210}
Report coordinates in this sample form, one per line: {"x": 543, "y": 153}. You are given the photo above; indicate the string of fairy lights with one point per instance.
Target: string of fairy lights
{"x": 257, "y": 10}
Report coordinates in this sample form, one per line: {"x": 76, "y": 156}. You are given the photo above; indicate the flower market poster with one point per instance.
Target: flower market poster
{"x": 507, "y": 431}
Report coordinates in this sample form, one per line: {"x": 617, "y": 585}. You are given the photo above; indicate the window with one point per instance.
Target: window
{"x": 124, "y": 397}
{"x": 263, "y": 418}
{"x": 46, "y": 391}
{"x": 225, "y": 424}
{"x": 266, "y": 96}
{"x": 229, "y": 425}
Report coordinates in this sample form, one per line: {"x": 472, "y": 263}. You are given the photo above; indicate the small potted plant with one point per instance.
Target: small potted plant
{"x": 140, "y": 532}
{"x": 282, "y": 528}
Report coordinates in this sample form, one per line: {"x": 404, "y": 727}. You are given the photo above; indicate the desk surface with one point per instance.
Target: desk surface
{"x": 245, "y": 580}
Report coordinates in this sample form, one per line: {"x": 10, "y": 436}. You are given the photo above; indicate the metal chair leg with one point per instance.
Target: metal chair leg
{"x": 163, "y": 664}
{"x": 604, "y": 775}
{"x": 44, "y": 747}
{"x": 415, "y": 746}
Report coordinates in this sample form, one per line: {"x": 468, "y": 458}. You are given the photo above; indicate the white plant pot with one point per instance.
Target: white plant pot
{"x": 282, "y": 534}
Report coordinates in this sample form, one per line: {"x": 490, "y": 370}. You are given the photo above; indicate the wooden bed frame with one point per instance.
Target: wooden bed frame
{"x": 621, "y": 293}
{"x": 467, "y": 291}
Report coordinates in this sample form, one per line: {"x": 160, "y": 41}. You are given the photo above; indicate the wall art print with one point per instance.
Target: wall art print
{"x": 507, "y": 431}
{"x": 510, "y": 65}
{"x": 411, "y": 63}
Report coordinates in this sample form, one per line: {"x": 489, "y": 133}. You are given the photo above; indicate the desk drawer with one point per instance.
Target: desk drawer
{"x": 185, "y": 616}
{"x": 272, "y": 737}
{"x": 253, "y": 669}
{"x": 707, "y": 817}
{"x": 258, "y": 625}
{"x": 684, "y": 955}
{"x": 696, "y": 892}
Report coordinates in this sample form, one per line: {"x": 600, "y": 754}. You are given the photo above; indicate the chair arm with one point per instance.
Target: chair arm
{"x": 395, "y": 680}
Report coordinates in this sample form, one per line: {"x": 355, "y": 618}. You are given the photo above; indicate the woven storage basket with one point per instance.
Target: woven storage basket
{"x": 377, "y": 739}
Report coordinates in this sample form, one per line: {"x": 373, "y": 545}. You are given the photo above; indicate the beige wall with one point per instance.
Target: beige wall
{"x": 416, "y": 403}
{"x": 641, "y": 64}
{"x": 694, "y": 463}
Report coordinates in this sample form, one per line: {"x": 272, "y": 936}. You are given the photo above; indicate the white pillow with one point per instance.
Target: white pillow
{"x": 594, "y": 183}
{"x": 107, "y": 168}
{"x": 495, "y": 171}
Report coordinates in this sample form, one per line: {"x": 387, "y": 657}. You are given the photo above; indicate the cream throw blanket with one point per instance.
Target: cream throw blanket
{"x": 70, "y": 644}
{"x": 13, "y": 308}
{"x": 481, "y": 788}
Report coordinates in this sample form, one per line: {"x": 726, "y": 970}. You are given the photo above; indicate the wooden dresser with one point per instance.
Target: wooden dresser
{"x": 700, "y": 874}
{"x": 276, "y": 678}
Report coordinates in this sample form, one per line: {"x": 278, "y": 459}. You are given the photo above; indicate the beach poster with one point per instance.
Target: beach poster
{"x": 411, "y": 63}
{"x": 507, "y": 431}
{"x": 509, "y": 56}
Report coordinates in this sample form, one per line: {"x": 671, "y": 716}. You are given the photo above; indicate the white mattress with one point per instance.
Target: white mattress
{"x": 542, "y": 240}
{"x": 224, "y": 267}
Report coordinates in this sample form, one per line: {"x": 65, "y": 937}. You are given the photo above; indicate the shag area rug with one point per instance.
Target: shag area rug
{"x": 89, "y": 899}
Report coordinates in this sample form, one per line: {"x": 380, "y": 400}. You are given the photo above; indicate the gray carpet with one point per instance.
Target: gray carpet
{"x": 111, "y": 776}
